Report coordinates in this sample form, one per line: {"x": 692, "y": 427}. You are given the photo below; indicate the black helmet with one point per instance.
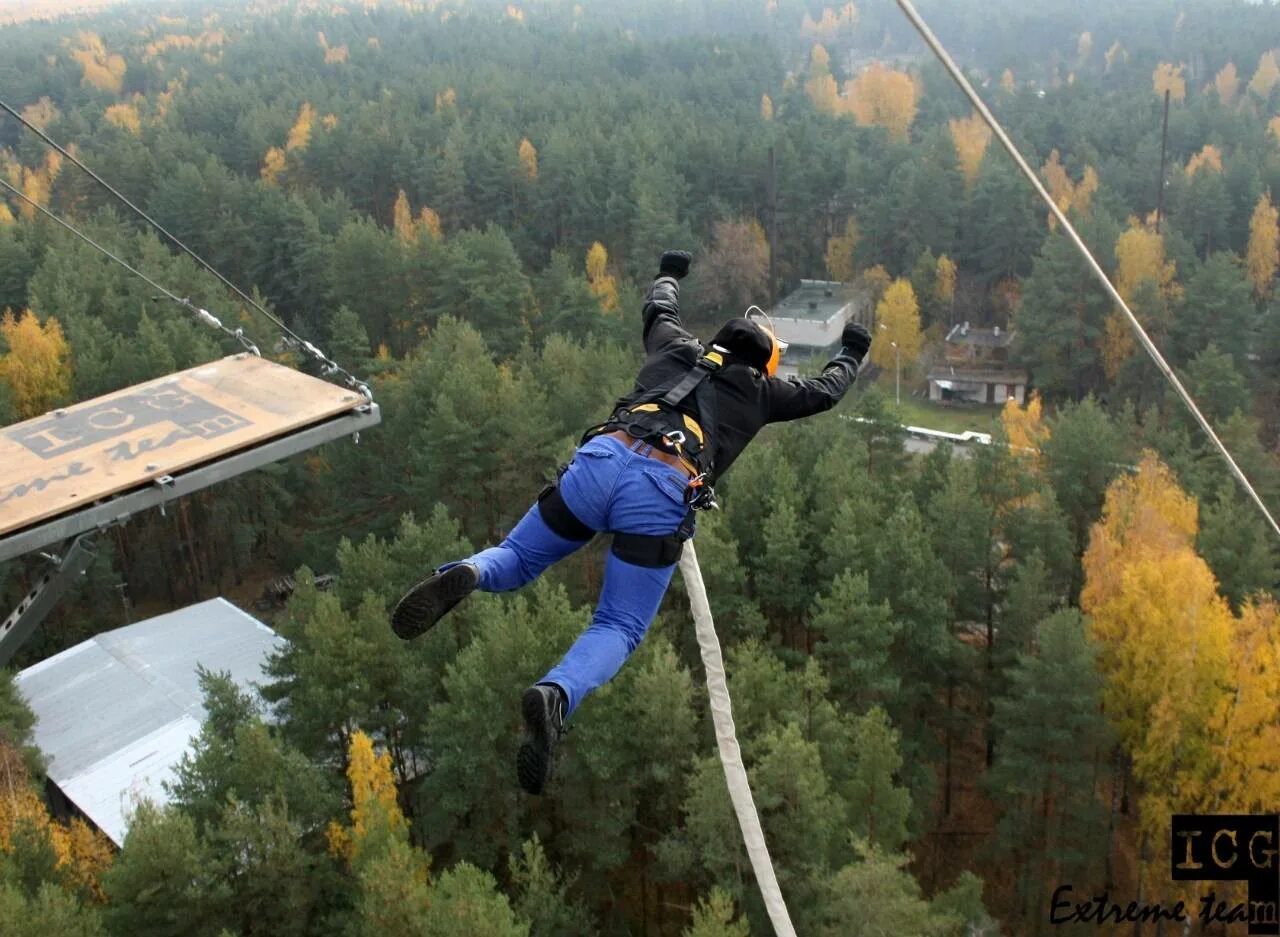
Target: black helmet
{"x": 752, "y": 342}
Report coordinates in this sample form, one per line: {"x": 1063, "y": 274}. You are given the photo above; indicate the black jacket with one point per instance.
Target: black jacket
{"x": 746, "y": 399}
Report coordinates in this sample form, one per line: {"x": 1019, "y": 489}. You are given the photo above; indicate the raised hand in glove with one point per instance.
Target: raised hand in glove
{"x": 856, "y": 340}
{"x": 675, "y": 264}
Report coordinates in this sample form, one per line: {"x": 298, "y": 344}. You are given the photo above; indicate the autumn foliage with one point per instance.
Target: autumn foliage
{"x": 1263, "y": 253}
{"x": 82, "y": 853}
{"x": 897, "y": 322}
{"x": 1024, "y": 425}
{"x": 101, "y": 69}
{"x": 883, "y": 97}
{"x": 1227, "y": 84}
{"x": 124, "y": 116}
{"x": 376, "y": 817}
{"x": 36, "y": 367}
{"x": 1067, "y": 194}
{"x": 528, "y": 159}
{"x": 1169, "y": 78}
{"x": 1209, "y": 158}
{"x": 603, "y": 285}
{"x": 970, "y": 136}
{"x": 409, "y": 229}
{"x": 839, "y": 254}
{"x": 1267, "y": 75}
{"x": 1191, "y": 690}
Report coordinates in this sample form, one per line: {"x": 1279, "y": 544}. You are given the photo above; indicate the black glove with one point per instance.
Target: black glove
{"x": 856, "y": 340}
{"x": 675, "y": 264}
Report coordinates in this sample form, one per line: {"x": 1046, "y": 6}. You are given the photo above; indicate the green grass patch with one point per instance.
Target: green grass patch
{"x": 915, "y": 411}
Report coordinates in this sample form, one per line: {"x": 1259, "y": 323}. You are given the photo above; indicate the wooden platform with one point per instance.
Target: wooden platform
{"x": 69, "y": 459}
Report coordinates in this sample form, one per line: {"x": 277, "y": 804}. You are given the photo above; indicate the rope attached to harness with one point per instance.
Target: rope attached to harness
{"x": 735, "y": 773}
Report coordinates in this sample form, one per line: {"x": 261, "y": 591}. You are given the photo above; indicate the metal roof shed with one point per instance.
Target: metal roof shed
{"x": 116, "y": 713}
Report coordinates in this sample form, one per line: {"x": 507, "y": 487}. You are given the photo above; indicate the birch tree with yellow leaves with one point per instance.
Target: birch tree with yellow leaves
{"x": 101, "y": 69}
{"x": 1227, "y": 84}
{"x": 603, "y": 285}
{"x": 1165, "y": 636}
{"x": 821, "y": 86}
{"x": 1141, "y": 258}
{"x": 1067, "y": 194}
{"x": 897, "y": 322}
{"x": 839, "y": 253}
{"x": 883, "y": 97}
{"x": 1169, "y": 78}
{"x": 970, "y": 137}
{"x": 36, "y": 366}
{"x": 1263, "y": 253}
{"x": 1267, "y": 75}
{"x": 1024, "y": 426}
{"x": 528, "y": 154}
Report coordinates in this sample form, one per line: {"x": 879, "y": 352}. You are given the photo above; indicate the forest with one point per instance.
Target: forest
{"x": 961, "y": 679}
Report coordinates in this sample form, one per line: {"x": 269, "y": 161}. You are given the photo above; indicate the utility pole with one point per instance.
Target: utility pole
{"x": 897, "y": 373}
{"x": 1164, "y": 146}
{"x": 771, "y": 197}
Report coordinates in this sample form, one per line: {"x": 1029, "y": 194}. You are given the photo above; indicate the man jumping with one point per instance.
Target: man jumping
{"x": 639, "y": 476}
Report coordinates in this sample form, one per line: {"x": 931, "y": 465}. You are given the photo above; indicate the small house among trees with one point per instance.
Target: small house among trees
{"x": 975, "y": 367}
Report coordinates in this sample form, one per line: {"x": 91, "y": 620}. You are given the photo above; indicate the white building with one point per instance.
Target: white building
{"x": 116, "y": 713}
{"x": 811, "y": 318}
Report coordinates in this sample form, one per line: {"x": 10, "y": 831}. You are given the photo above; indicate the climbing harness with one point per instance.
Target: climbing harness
{"x": 655, "y": 419}
{"x": 556, "y": 514}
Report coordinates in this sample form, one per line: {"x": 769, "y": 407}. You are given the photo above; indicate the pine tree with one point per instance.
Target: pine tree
{"x": 51, "y": 910}
{"x": 858, "y": 636}
{"x": 1217, "y": 309}
{"x": 878, "y": 807}
{"x": 1082, "y": 456}
{"x": 715, "y": 916}
{"x": 543, "y": 894}
{"x": 1236, "y": 543}
{"x": 1050, "y": 738}
{"x": 165, "y": 882}
{"x": 1061, "y": 321}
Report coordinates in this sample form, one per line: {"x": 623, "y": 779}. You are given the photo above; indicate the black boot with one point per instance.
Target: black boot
{"x": 425, "y": 604}
{"x": 543, "y": 707}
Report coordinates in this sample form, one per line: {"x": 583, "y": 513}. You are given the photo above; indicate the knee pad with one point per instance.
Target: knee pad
{"x": 653, "y": 551}
{"x": 556, "y": 515}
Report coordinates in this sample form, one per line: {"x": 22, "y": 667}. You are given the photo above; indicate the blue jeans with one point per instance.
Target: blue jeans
{"x": 612, "y": 488}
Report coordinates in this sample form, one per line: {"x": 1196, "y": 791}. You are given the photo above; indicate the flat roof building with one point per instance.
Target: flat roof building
{"x": 116, "y": 713}
{"x": 811, "y": 317}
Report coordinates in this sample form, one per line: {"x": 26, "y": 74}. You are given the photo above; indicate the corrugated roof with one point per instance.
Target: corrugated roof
{"x": 987, "y": 338}
{"x": 116, "y": 713}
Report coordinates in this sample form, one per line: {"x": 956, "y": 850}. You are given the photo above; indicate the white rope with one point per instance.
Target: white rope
{"x": 735, "y": 774}
{"x": 1149, "y": 346}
